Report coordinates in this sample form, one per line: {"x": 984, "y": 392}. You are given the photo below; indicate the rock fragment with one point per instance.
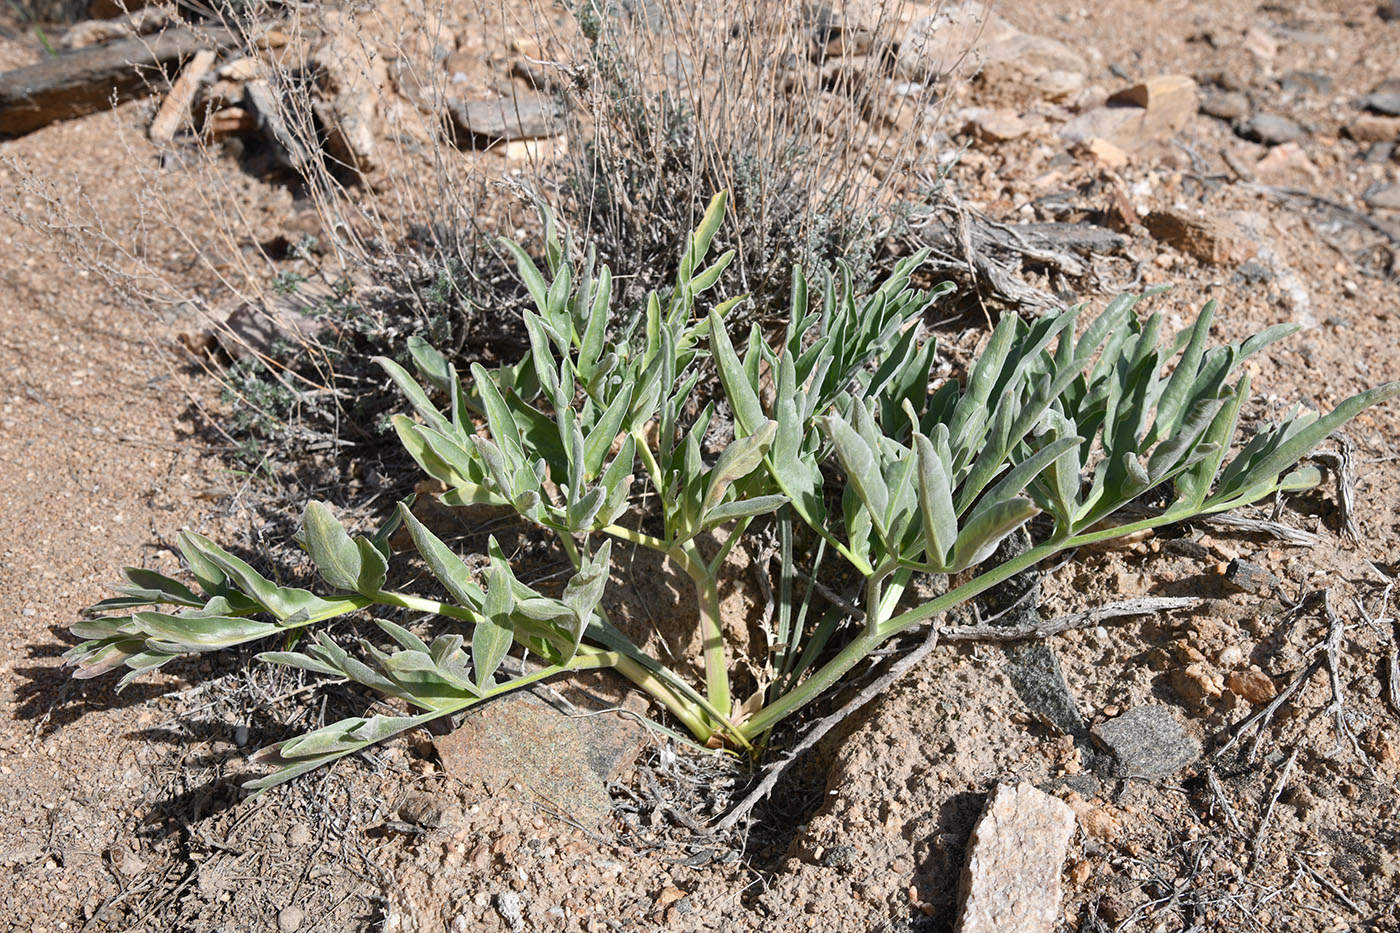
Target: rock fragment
{"x": 1212, "y": 241}
{"x": 1139, "y": 116}
{"x": 1249, "y": 577}
{"x": 519, "y": 740}
{"x": 1254, "y": 686}
{"x": 1147, "y": 742}
{"x": 350, "y": 85}
{"x": 1225, "y": 105}
{"x": 1271, "y": 129}
{"x": 962, "y": 40}
{"x": 520, "y": 116}
{"x": 1386, "y": 198}
{"x": 1383, "y": 102}
{"x": 1287, "y": 166}
{"x": 1374, "y": 128}
{"x": 1015, "y": 856}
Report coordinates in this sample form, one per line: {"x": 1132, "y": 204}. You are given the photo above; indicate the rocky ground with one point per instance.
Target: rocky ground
{"x": 1247, "y": 154}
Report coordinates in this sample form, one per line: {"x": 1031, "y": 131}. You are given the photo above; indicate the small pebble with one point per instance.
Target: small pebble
{"x": 299, "y": 835}
{"x": 289, "y": 919}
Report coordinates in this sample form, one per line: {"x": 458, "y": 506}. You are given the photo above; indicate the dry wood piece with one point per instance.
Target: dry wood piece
{"x": 1012, "y": 878}
{"x": 176, "y": 106}
{"x": 90, "y": 79}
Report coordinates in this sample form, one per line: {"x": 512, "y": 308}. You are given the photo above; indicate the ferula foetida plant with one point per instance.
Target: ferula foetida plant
{"x": 603, "y": 417}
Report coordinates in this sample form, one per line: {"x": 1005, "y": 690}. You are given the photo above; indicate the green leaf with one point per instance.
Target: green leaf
{"x": 493, "y": 635}
{"x": 189, "y": 633}
{"x": 415, "y": 394}
{"x": 739, "y": 459}
{"x": 529, "y": 274}
{"x": 601, "y": 438}
{"x": 743, "y": 398}
{"x": 980, "y": 537}
{"x": 446, "y": 566}
{"x": 861, "y": 463}
{"x": 345, "y": 564}
{"x": 940, "y": 521}
{"x": 431, "y": 364}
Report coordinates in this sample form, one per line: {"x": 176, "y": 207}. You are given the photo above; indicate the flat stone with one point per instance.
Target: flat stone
{"x": 562, "y": 761}
{"x": 1147, "y": 742}
{"x": 1288, "y": 166}
{"x": 999, "y": 126}
{"x": 1271, "y": 129}
{"x": 1384, "y": 102}
{"x": 1015, "y": 856}
{"x": 1374, "y": 128}
{"x": 521, "y": 116}
{"x": 1212, "y": 241}
{"x": 1225, "y": 105}
{"x": 1312, "y": 82}
{"x": 88, "y": 80}
{"x": 1249, "y": 577}
{"x": 962, "y": 40}
{"x": 1386, "y": 198}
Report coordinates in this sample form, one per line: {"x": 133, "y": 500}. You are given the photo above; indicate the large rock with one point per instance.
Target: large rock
{"x": 351, "y": 84}
{"x": 563, "y": 762}
{"x": 1138, "y": 117}
{"x": 519, "y": 116}
{"x": 1012, "y": 878}
{"x": 961, "y": 40}
{"x": 1147, "y": 742}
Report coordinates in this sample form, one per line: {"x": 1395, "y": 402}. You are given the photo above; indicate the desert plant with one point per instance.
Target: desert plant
{"x": 1075, "y": 424}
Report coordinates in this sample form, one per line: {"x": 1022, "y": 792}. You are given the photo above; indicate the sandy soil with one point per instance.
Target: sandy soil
{"x": 120, "y": 812}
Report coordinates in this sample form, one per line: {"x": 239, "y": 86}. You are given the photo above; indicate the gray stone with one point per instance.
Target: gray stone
{"x": 1250, "y": 577}
{"x": 1147, "y": 742}
{"x": 290, "y": 919}
{"x": 1224, "y": 105}
{"x": 1385, "y": 102}
{"x": 1387, "y": 198}
{"x": 521, "y": 116}
{"x": 1014, "y": 859}
{"x": 1271, "y": 129}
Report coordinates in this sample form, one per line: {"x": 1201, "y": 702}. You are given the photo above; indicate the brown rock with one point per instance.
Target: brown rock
{"x": 1197, "y": 683}
{"x": 1374, "y": 128}
{"x": 1260, "y": 44}
{"x": 1014, "y": 859}
{"x": 1140, "y": 116}
{"x": 999, "y": 126}
{"x": 1254, "y": 686}
{"x": 1209, "y": 240}
{"x": 350, "y": 83}
{"x": 1106, "y": 153}
{"x": 1172, "y": 97}
{"x": 1287, "y": 166}
{"x": 1097, "y": 822}
{"x": 519, "y": 740}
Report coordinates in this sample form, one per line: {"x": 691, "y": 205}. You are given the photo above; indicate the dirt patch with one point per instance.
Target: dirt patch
{"x": 122, "y": 812}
